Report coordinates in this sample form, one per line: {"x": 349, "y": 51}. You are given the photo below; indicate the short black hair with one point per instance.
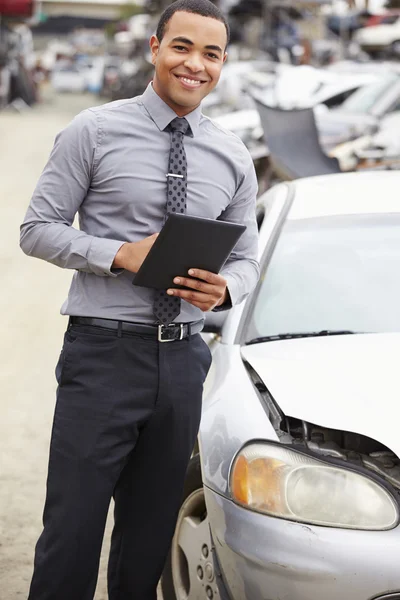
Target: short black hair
{"x": 205, "y": 8}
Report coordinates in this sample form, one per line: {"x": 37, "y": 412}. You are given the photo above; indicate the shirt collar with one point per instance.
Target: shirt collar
{"x": 162, "y": 114}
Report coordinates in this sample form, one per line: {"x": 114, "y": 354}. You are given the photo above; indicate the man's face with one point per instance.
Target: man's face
{"x": 188, "y": 61}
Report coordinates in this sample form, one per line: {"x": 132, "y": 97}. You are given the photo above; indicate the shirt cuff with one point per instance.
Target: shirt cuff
{"x": 101, "y": 256}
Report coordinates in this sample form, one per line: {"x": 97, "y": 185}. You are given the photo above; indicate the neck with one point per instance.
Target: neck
{"x": 180, "y": 111}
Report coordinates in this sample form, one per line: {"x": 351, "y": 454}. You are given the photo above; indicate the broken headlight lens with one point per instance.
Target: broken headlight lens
{"x": 284, "y": 483}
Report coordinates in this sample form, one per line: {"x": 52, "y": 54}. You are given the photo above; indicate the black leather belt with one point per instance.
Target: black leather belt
{"x": 164, "y": 333}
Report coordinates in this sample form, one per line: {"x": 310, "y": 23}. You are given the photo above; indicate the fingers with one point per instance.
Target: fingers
{"x": 194, "y": 284}
{"x": 206, "y": 282}
{"x": 212, "y": 278}
{"x": 204, "y": 292}
{"x": 203, "y": 301}
{"x": 203, "y": 304}
{"x": 192, "y": 296}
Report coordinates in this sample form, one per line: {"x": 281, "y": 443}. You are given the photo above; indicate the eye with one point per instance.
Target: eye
{"x": 180, "y": 48}
{"x": 212, "y": 55}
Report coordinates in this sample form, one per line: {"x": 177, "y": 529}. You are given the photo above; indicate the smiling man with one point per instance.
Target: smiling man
{"x": 128, "y": 405}
{"x": 188, "y": 52}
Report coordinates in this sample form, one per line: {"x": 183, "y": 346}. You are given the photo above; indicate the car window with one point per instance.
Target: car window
{"x": 331, "y": 273}
{"x": 364, "y": 99}
{"x": 338, "y": 99}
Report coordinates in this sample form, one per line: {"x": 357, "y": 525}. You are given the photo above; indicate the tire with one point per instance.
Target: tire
{"x": 180, "y": 579}
{"x": 22, "y": 87}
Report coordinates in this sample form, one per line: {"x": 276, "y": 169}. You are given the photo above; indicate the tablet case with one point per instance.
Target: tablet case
{"x": 187, "y": 242}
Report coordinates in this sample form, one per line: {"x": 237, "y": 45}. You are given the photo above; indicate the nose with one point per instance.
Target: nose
{"x": 194, "y": 62}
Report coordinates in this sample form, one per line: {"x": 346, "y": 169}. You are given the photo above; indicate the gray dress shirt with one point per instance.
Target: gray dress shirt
{"x": 109, "y": 166}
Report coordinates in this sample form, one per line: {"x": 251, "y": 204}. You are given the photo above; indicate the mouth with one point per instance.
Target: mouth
{"x": 190, "y": 83}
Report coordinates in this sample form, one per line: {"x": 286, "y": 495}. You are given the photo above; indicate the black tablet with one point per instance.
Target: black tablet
{"x": 187, "y": 242}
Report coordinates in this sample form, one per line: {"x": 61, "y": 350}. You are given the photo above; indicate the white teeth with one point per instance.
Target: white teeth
{"x": 191, "y": 81}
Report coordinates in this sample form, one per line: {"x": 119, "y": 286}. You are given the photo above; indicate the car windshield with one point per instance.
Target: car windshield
{"x": 331, "y": 274}
{"x": 364, "y": 99}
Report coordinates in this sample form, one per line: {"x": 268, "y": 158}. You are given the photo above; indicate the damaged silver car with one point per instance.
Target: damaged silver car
{"x": 294, "y": 490}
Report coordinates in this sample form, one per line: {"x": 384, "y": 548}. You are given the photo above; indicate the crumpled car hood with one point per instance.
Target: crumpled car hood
{"x": 338, "y": 121}
{"x": 347, "y": 382}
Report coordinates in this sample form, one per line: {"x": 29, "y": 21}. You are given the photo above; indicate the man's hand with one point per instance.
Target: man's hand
{"x": 206, "y": 294}
{"x": 131, "y": 254}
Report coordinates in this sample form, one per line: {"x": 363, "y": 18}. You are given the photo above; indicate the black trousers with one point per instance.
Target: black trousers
{"x": 126, "y": 420}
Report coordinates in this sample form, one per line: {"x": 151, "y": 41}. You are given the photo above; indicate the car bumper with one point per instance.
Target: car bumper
{"x": 267, "y": 558}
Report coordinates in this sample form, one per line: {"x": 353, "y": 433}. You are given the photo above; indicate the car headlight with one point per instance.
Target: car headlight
{"x": 284, "y": 483}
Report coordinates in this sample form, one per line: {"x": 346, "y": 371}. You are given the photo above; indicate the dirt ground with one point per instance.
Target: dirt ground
{"x": 32, "y": 292}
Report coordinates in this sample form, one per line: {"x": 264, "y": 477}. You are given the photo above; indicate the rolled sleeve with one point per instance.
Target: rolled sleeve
{"x": 47, "y": 230}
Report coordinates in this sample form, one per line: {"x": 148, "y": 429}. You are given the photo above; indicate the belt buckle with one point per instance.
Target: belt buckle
{"x": 166, "y": 333}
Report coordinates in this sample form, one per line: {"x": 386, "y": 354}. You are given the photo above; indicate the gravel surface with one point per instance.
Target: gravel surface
{"x": 32, "y": 292}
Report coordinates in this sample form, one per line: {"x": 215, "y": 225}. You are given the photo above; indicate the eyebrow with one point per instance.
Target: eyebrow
{"x": 190, "y": 43}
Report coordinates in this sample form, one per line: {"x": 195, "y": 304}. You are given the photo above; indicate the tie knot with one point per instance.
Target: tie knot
{"x": 179, "y": 124}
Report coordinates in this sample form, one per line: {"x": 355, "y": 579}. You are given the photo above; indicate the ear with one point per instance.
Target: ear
{"x": 154, "y": 47}
{"x": 225, "y": 57}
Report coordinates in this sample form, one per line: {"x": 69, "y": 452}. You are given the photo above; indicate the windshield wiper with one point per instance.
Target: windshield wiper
{"x": 292, "y": 336}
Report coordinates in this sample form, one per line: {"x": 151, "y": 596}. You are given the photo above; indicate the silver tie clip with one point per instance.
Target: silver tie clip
{"x": 174, "y": 175}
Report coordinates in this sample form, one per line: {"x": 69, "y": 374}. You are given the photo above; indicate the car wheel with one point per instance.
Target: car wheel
{"x": 189, "y": 572}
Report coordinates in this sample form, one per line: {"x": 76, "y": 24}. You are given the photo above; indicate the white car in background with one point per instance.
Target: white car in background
{"x": 380, "y": 37}
{"x": 294, "y": 490}
{"x": 68, "y": 77}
